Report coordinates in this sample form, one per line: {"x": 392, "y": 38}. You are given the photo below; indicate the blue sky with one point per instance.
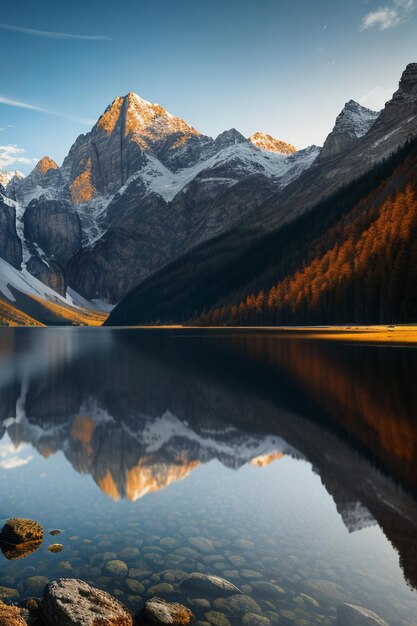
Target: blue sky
{"x": 285, "y": 67}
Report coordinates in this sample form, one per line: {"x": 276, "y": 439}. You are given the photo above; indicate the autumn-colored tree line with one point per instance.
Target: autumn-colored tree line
{"x": 363, "y": 269}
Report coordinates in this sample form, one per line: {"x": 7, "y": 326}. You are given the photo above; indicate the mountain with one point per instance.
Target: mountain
{"x": 292, "y": 228}
{"x": 353, "y": 122}
{"x": 141, "y": 188}
{"x": 7, "y": 176}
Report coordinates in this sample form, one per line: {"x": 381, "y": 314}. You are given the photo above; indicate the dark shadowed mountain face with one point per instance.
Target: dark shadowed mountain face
{"x": 180, "y": 440}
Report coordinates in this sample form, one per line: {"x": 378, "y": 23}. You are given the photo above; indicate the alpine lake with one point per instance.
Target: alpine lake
{"x": 286, "y": 466}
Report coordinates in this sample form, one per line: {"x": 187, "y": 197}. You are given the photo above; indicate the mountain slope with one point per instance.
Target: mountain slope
{"x": 23, "y": 296}
{"x": 161, "y": 214}
{"x": 214, "y": 275}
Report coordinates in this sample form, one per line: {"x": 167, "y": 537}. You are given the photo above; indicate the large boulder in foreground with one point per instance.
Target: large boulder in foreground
{"x": 72, "y": 602}
{"x": 20, "y": 530}
{"x": 162, "y": 613}
{"x": 352, "y": 615}
{"x": 209, "y": 585}
{"x": 11, "y": 616}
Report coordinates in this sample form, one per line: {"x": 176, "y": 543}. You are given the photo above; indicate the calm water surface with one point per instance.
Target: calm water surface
{"x": 252, "y": 456}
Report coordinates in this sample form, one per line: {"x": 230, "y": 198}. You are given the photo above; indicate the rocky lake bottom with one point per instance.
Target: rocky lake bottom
{"x": 154, "y": 461}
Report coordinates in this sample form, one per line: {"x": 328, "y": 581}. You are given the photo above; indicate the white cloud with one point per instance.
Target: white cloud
{"x": 10, "y": 456}
{"x": 10, "y": 155}
{"x": 32, "y": 107}
{"x": 53, "y": 35}
{"x": 14, "y": 461}
{"x": 388, "y": 16}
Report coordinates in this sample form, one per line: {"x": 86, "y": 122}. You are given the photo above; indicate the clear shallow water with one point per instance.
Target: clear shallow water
{"x": 254, "y": 457}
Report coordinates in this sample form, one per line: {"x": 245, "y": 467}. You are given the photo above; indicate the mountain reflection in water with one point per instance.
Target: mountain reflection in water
{"x": 139, "y": 410}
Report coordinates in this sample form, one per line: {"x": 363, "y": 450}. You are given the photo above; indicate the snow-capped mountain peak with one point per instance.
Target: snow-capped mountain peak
{"x": 6, "y": 177}
{"x": 352, "y": 123}
{"x": 146, "y": 123}
{"x": 271, "y": 144}
{"x": 355, "y": 119}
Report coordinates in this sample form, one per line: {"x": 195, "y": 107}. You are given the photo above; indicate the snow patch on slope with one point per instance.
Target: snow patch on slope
{"x": 6, "y": 177}
{"x": 23, "y": 281}
{"x": 244, "y": 159}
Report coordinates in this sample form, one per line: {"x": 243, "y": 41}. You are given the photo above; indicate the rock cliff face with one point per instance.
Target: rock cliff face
{"x": 55, "y": 227}
{"x": 52, "y": 232}
{"x": 10, "y": 244}
{"x": 48, "y": 272}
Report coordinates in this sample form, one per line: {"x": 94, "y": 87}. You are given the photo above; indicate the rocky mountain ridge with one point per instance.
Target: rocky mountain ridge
{"x": 7, "y": 176}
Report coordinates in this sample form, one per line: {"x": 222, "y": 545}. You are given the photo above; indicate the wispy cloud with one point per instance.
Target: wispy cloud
{"x": 10, "y": 155}
{"x": 6, "y": 127}
{"x": 388, "y": 16}
{"x": 32, "y": 107}
{"x": 376, "y": 97}
{"x": 10, "y": 456}
{"x": 53, "y": 35}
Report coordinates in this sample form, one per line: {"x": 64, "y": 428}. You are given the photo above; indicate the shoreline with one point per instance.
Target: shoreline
{"x": 379, "y": 334}
{"x": 383, "y": 334}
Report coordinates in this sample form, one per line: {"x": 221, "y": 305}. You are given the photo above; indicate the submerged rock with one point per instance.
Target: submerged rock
{"x": 267, "y": 589}
{"x": 211, "y": 585}
{"x": 34, "y": 586}
{"x": 116, "y": 568}
{"x": 54, "y": 532}
{"x": 8, "y": 594}
{"x": 252, "y": 619}
{"x": 201, "y": 544}
{"x": 19, "y": 530}
{"x": 217, "y": 619}
{"x": 72, "y": 602}
{"x": 11, "y": 615}
{"x": 352, "y": 615}
{"x": 160, "y": 612}
{"x": 56, "y": 547}
{"x": 163, "y": 588}
{"x": 241, "y": 604}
